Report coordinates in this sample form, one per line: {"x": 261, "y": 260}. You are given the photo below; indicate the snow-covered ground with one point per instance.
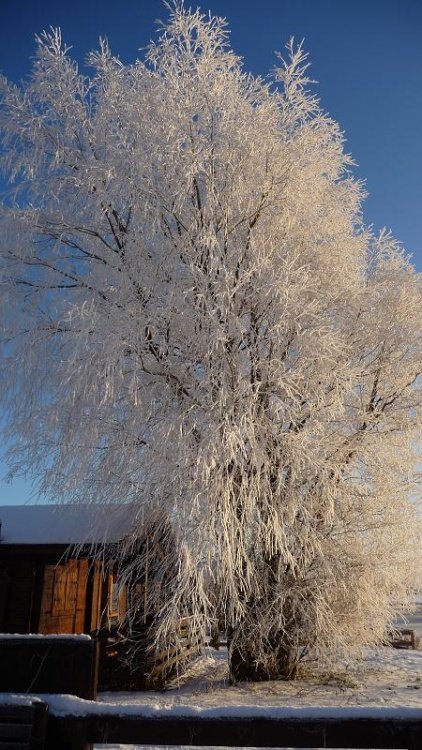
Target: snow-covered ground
{"x": 387, "y": 677}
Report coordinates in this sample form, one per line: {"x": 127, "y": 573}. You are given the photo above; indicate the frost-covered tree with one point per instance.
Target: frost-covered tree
{"x": 195, "y": 321}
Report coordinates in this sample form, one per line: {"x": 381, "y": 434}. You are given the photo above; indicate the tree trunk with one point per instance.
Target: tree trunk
{"x": 280, "y": 661}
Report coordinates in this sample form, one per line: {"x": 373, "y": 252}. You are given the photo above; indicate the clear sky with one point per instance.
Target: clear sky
{"x": 365, "y": 54}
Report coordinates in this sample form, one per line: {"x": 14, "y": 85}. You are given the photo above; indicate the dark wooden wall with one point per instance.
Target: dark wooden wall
{"x": 20, "y": 581}
{"x": 42, "y": 591}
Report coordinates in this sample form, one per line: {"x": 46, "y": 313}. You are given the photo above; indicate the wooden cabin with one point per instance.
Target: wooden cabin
{"x": 53, "y": 582}
{"x": 49, "y": 579}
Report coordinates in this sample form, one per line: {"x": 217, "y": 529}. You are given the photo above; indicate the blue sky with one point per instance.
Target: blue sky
{"x": 365, "y": 54}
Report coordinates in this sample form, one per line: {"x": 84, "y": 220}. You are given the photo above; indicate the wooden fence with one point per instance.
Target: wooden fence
{"x": 172, "y": 660}
{"x": 23, "y": 725}
{"x": 404, "y": 638}
{"x": 49, "y": 664}
{"x": 79, "y": 665}
{"x": 149, "y": 669}
{"x": 355, "y": 730}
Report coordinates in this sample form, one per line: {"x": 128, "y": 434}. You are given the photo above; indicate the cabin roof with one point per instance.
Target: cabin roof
{"x": 65, "y": 524}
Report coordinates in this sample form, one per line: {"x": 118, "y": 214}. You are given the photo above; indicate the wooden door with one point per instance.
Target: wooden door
{"x": 64, "y": 597}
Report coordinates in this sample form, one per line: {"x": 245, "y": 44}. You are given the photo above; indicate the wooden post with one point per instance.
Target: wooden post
{"x": 68, "y": 733}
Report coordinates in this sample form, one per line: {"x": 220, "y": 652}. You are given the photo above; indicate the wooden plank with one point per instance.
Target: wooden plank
{"x": 18, "y": 610}
{"x": 159, "y": 669}
{"x": 60, "y": 593}
{"x": 176, "y": 649}
{"x": 96, "y": 597}
{"x": 68, "y": 733}
{"x": 39, "y": 726}
{"x": 23, "y": 726}
{"x": 47, "y": 599}
{"x": 167, "y": 653}
{"x": 15, "y": 731}
{"x": 63, "y": 624}
{"x": 112, "y": 599}
{"x": 16, "y": 713}
{"x": 4, "y": 589}
{"x": 404, "y": 638}
{"x": 80, "y": 596}
{"x": 122, "y": 603}
{"x": 385, "y": 734}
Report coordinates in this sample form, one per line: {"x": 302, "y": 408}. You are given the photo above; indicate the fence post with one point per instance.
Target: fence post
{"x": 68, "y": 733}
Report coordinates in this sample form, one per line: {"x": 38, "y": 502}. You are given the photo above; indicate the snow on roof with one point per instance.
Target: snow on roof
{"x": 65, "y": 524}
